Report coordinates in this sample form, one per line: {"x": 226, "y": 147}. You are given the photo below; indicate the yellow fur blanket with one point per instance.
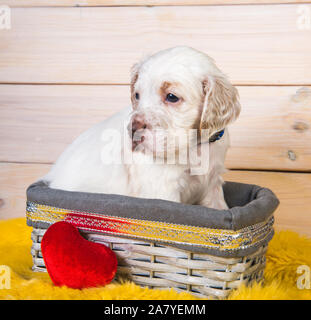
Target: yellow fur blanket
{"x": 287, "y": 251}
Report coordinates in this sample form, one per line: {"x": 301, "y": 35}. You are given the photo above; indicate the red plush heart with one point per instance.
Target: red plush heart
{"x": 74, "y": 261}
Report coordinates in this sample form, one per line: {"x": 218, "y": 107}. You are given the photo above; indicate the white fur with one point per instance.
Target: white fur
{"x": 83, "y": 165}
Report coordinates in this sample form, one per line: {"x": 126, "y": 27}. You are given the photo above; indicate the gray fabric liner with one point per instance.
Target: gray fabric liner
{"x": 249, "y": 205}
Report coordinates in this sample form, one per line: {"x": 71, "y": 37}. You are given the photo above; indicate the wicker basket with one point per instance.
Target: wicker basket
{"x": 157, "y": 266}
{"x": 204, "y": 271}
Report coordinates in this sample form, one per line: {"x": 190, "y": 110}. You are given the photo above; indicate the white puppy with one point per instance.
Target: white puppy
{"x": 177, "y": 96}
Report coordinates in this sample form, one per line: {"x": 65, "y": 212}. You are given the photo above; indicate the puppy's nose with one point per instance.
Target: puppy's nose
{"x": 138, "y": 124}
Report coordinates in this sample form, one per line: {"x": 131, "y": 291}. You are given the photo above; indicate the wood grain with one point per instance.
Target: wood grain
{"x": 257, "y": 44}
{"x": 39, "y": 121}
{"x": 293, "y": 190}
{"x": 273, "y": 131}
{"x": 14, "y": 179}
{"x": 87, "y": 3}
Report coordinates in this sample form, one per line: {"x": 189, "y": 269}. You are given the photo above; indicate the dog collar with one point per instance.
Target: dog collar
{"x": 216, "y": 136}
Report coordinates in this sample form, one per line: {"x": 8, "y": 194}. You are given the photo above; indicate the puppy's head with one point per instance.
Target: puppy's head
{"x": 175, "y": 91}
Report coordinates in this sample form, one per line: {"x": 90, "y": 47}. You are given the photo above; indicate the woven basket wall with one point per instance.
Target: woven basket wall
{"x": 157, "y": 266}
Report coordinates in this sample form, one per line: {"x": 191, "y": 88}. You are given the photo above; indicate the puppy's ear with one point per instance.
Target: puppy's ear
{"x": 134, "y": 77}
{"x": 221, "y": 104}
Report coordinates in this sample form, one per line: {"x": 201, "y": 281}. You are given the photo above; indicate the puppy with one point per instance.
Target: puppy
{"x": 180, "y": 102}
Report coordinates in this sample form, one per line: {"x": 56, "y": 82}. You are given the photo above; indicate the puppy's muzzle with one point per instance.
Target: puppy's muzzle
{"x": 136, "y": 129}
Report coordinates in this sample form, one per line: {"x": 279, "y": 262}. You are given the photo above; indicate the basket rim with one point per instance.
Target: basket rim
{"x": 248, "y": 205}
{"x": 233, "y": 232}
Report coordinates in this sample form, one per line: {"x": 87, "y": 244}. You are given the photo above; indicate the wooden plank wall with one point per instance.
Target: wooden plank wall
{"x": 64, "y": 65}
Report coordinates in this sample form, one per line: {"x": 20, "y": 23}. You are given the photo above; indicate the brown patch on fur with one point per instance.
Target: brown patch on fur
{"x": 197, "y": 123}
{"x": 221, "y": 104}
{"x": 165, "y": 89}
{"x": 165, "y": 86}
{"x": 134, "y": 78}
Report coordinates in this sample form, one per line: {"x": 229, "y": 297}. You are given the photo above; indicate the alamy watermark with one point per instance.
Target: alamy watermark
{"x": 183, "y": 147}
{"x": 304, "y": 17}
{"x": 304, "y": 280}
{"x": 5, "y": 18}
{"x": 5, "y": 277}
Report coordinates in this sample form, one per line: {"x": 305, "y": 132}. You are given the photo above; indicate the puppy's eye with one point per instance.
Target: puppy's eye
{"x": 137, "y": 96}
{"x": 172, "y": 98}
